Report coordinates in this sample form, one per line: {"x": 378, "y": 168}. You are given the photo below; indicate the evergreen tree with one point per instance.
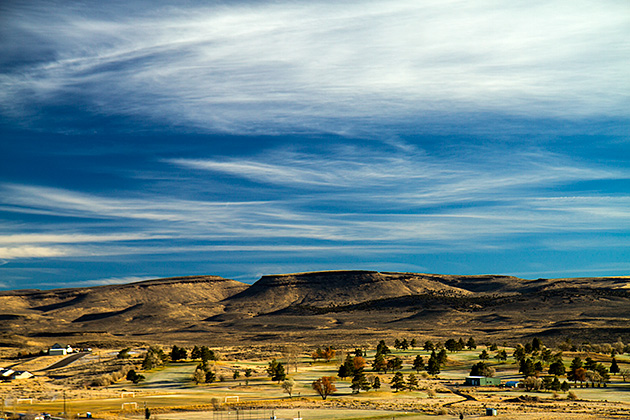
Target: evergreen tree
{"x": 536, "y": 344}
{"x": 359, "y": 382}
{"x": 404, "y": 345}
{"x": 418, "y": 363}
{"x": 519, "y": 353}
{"x": 538, "y": 367}
{"x": 276, "y": 371}
{"x": 394, "y": 364}
{"x": 556, "y": 385}
{"x": 450, "y": 345}
{"x": 526, "y": 367}
{"x": 396, "y": 343}
{"x": 412, "y": 382}
{"x": 376, "y": 383}
{"x": 379, "y": 364}
{"x": 413, "y": 343}
{"x": 471, "y": 344}
{"x": 557, "y": 368}
{"x": 482, "y": 369}
{"x": 347, "y": 368}
{"x": 195, "y": 353}
{"x": 433, "y": 366}
{"x": 429, "y": 346}
{"x": 501, "y": 356}
{"x": 614, "y": 368}
{"x": 484, "y": 355}
{"x": 382, "y": 348}
{"x": 398, "y": 382}
{"x": 442, "y": 357}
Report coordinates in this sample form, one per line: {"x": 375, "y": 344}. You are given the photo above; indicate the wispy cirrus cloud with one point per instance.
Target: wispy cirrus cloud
{"x": 269, "y": 67}
{"x": 401, "y": 201}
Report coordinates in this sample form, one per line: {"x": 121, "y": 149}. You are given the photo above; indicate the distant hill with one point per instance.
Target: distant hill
{"x": 322, "y": 307}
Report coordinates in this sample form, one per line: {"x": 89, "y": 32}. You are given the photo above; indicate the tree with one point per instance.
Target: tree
{"x": 195, "y": 353}
{"x": 358, "y": 363}
{"x": 418, "y": 363}
{"x": 382, "y": 348}
{"x": 532, "y": 383}
{"x": 413, "y": 343}
{"x": 538, "y": 367}
{"x": 501, "y": 356}
{"x": 154, "y": 357}
{"x": 429, "y": 346}
{"x": 248, "y": 372}
{"x": 578, "y": 375}
{"x": 589, "y": 364}
{"x": 359, "y": 382}
{"x": 526, "y": 367}
{"x": 210, "y": 376}
{"x": 379, "y": 364}
{"x": 614, "y": 367}
{"x": 625, "y": 374}
{"x": 328, "y": 353}
{"x": 236, "y": 374}
{"x": 404, "y": 345}
{"x": 394, "y": 364}
{"x": 124, "y": 353}
{"x": 433, "y": 366}
{"x": 484, "y": 355}
{"x": 398, "y": 382}
{"x": 178, "y": 353}
{"x": 287, "y": 386}
{"x": 412, "y": 382}
{"x": 556, "y": 385}
{"x": 536, "y": 344}
{"x": 396, "y": 343}
{"x": 347, "y": 368}
{"x": 324, "y": 386}
{"x": 206, "y": 354}
{"x": 482, "y": 369}
{"x": 576, "y": 364}
{"x": 557, "y": 368}
{"x": 276, "y": 371}
{"x": 519, "y": 353}
{"x": 199, "y": 376}
{"x": 470, "y": 344}
{"x": 565, "y": 386}
{"x": 451, "y": 345}
{"x": 375, "y": 382}
{"x": 134, "y": 377}
{"x": 442, "y": 357}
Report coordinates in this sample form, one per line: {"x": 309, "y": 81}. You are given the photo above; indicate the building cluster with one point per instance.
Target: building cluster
{"x": 8, "y": 374}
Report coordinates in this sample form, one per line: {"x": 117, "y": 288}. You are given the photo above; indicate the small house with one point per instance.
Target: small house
{"x": 512, "y": 384}
{"x": 5, "y": 374}
{"x": 21, "y": 374}
{"x": 482, "y": 381}
{"x": 491, "y": 411}
{"x": 57, "y": 350}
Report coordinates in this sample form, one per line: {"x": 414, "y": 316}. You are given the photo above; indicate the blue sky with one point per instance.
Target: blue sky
{"x": 152, "y": 139}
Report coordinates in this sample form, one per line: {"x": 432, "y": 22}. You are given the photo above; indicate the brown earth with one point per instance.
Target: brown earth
{"x": 340, "y": 307}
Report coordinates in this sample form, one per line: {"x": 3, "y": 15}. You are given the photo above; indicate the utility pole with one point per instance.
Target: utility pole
{"x": 65, "y": 412}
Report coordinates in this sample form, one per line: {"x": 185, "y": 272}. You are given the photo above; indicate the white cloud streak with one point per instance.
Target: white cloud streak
{"x": 321, "y": 66}
{"x": 372, "y": 200}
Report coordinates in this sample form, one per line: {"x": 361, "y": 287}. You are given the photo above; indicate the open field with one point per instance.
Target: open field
{"x": 170, "y": 392}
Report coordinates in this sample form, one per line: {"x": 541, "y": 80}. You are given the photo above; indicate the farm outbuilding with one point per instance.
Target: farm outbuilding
{"x": 482, "y": 381}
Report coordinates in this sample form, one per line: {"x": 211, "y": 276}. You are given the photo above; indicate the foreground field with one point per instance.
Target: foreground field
{"x": 94, "y": 384}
